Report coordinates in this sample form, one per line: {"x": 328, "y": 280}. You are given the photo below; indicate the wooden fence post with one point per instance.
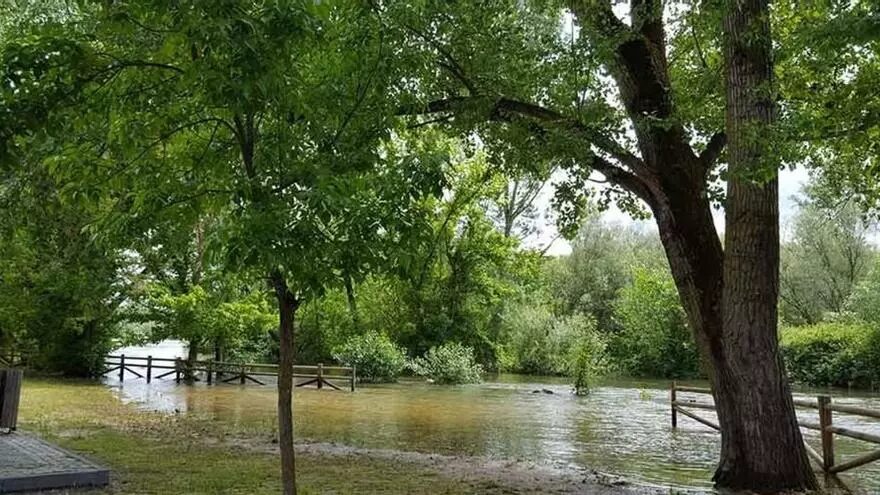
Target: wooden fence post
{"x": 121, "y": 367}
{"x": 10, "y": 394}
{"x": 149, "y": 368}
{"x": 242, "y": 375}
{"x": 177, "y": 366}
{"x": 672, "y": 405}
{"x": 825, "y": 421}
{"x": 320, "y": 375}
{"x": 210, "y": 368}
{"x": 353, "y": 376}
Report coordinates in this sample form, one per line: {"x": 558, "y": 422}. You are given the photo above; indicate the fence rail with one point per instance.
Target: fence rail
{"x": 825, "y": 407}
{"x": 10, "y": 359}
{"x": 319, "y": 376}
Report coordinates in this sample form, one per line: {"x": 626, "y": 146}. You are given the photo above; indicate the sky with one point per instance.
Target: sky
{"x": 791, "y": 182}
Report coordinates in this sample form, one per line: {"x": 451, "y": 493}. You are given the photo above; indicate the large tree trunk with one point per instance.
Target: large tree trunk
{"x": 287, "y": 306}
{"x": 729, "y": 295}
{"x": 761, "y": 447}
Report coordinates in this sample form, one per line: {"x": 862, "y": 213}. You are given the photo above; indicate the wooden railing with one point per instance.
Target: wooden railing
{"x": 141, "y": 367}
{"x": 826, "y": 428}
{"x": 10, "y": 359}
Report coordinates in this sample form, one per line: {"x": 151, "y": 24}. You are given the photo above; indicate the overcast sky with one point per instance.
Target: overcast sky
{"x": 790, "y": 185}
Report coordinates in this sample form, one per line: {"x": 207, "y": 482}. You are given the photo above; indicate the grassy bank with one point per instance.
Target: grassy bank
{"x": 153, "y": 452}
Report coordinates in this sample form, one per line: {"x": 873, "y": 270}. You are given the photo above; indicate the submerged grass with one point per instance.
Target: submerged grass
{"x": 152, "y": 452}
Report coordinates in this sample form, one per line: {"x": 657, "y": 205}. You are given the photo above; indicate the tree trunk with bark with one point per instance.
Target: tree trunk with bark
{"x": 351, "y": 297}
{"x": 761, "y": 444}
{"x": 288, "y": 303}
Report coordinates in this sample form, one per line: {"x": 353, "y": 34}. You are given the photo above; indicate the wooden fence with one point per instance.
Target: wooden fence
{"x": 151, "y": 368}
{"x": 10, "y": 359}
{"x": 825, "y": 426}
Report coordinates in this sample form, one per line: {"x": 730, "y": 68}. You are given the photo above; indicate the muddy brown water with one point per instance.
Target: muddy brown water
{"x": 623, "y": 427}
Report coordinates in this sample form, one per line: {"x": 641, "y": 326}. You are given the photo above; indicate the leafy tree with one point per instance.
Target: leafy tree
{"x": 464, "y": 269}
{"x": 268, "y": 113}
{"x": 58, "y": 290}
{"x": 535, "y": 76}
{"x": 654, "y": 339}
{"x": 241, "y": 325}
{"x": 600, "y": 265}
{"x": 864, "y": 302}
{"x": 827, "y": 255}
{"x": 828, "y": 72}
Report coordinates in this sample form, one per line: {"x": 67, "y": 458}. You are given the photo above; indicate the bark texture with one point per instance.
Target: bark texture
{"x": 287, "y": 306}
{"x": 762, "y": 448}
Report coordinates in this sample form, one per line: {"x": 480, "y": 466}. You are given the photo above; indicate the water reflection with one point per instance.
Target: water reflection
{"x": 623, "y": 427}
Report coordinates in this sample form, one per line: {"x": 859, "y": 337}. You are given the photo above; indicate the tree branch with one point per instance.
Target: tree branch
{"x": 451, "y": 64}
{"x": 502, "y": 109}
{"x": 620, "y": 177}
{"x": 713, "y": 149}
{"x": 601, "y": 16}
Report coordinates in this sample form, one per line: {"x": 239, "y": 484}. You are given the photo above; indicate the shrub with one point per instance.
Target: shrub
{"x": 654, "y": 339}
{"x": 450, "y": 363}
{"x": 537, "y": 342}
{"x": 586, "y": 357}
{"x": 376, "y": 357}
{"x": 832, "y": 354}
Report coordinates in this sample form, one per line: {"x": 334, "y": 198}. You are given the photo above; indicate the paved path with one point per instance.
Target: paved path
{"x": 29, "y": 463}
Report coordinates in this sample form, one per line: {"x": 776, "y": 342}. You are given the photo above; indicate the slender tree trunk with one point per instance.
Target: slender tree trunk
{"x": 352, "y": 301}
{"x": 218, "y": 355}
{"x": 191, "y": 357}
{"x": 761, "y": 447}
{"x": 287, "y": 306}
{"x": 218, "y": 350}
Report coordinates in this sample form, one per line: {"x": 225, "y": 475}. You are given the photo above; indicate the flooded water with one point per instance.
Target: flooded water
{"x": 623, "y": 427}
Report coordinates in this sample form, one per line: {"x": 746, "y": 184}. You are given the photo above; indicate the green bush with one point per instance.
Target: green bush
{"x": 586, "y": 357}
{"x": 450, "y": 363}
{"x": 376, "y": 357}
{"x": 832, "y": 354}
{"x": 538, "y": 343}
{"x": 654, "y": 339}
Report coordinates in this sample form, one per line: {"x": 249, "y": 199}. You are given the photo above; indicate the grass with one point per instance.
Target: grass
{"x": 151, "y": 452}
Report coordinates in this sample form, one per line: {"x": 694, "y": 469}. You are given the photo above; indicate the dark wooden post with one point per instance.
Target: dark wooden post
{"x": 149, "y": 369}
{"x": 672, "y": 405}
{"x": 10, "y": 393}
{"x": 177, "y": 366}
{"x": 210, "y": 367}
{"x": 825, "y": 421}
{"x": 353, "y": 376}
{"x": 241, "y": 376}
{"x": 320, "y": 375}
{"x": 121, "y": 367}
